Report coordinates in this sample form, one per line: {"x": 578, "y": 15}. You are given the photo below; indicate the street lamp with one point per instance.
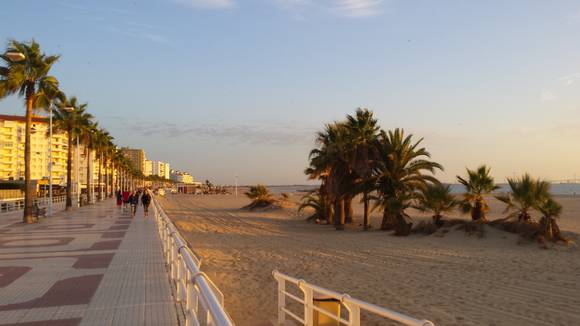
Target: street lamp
{"x": 15, "y": 56}
{"x": 50, "y": 161}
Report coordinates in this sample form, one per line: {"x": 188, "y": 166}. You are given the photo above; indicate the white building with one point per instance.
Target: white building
{"x": 181, "y": 177}
{"x": 160, "y": 169}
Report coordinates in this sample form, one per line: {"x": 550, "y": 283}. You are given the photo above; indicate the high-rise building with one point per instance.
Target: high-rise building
{"x": 136, "y": 156}
{"x": 160, "y": 169}
{"x": 12, "y": 134}
{"x": 148, "y": 170}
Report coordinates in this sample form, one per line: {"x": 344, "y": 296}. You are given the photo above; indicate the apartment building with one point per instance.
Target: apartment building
{"x": 136, "y": 156}
{"x": 12, "y": 137}
{"x": 161, "y": 169}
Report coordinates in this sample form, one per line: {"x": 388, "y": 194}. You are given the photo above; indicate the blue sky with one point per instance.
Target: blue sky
{"x": 226, "y": 87}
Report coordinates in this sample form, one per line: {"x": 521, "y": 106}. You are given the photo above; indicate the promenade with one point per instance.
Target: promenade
{"x": 94, "y": 265}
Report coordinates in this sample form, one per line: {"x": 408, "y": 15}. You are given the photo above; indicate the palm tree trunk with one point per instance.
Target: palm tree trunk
{"x": 389, "y": 222}
{"x": 28, "y": 191}
{"x": 348, "y": 211}
{"x": 477, "y": 212}
{"x": 339, "y": 214}
{"x": 107, "y": 178}
{"x": 100, "y": 162}
{"x": 68, "y": 204}
{"x": 89, "y": 176}
{"x": 366, "y": 211}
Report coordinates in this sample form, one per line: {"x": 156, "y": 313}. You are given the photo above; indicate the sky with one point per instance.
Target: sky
{"x": 222, "y": 88}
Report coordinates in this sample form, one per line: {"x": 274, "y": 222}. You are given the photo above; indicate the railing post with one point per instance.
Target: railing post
{"x": 281, "y": 301}
{"x": 353, "y": 313}
{"x": 308, "y": 301}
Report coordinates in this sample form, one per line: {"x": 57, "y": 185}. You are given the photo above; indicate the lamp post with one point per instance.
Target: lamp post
{"x": 50, "y": 161}
{"x": 236, "y": 186}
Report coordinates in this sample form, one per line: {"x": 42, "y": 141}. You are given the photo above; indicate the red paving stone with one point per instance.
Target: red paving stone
{"x": 9, "y": 274}
{"x": 55, "y": 322}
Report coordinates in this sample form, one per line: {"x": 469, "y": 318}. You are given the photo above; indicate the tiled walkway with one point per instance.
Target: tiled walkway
{"x": 91, "y": 266}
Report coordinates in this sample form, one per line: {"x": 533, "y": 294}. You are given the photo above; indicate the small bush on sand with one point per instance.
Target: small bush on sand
{"x": 315, "y": 202}
{"x": 260, "y": 196}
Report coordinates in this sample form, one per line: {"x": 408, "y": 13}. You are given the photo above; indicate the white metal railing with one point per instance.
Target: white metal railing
{"x": 201, "y": 300}
{"x": 353, "y": 306}
{"x": 9, "y": 205}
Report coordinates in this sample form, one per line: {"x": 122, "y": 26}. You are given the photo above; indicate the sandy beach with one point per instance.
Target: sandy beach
{"x": 451, "y": 280}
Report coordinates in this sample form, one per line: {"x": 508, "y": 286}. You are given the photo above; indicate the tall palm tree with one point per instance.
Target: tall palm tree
{"x": 526, "y": 193}
{"x": 70, "y": 118}
{"x": 362, "y": 137}
{"x": 88, "y": 132}
{"x": 102, "y": 139}
{"x": 479, "y": 183}
{"x": 403, "y": 168}
{"x": 436, "y": 198}
{"x": 30, "y": 79}
{"x": 330, "y": 162}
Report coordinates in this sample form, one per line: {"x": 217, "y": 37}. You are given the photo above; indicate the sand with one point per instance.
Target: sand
{"x": 450, "y": 280}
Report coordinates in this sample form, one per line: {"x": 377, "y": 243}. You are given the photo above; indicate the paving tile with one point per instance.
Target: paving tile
{"x": 60, "y": 254}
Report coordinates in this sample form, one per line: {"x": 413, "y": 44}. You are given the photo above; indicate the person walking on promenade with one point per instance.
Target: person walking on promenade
{"x": 126, "y": 195}
{"x": 119, "y": 197}
{"x": 133, "y": 201}
{"x": 146, "y": 201}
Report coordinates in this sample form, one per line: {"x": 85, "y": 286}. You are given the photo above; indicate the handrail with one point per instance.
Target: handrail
{"x": 201, "y": 300}
{"x": 14, "y": 204}
{"x": 354, "y": 306}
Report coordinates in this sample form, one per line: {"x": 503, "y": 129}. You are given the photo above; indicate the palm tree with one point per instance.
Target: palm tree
{"x": 69, "y": 118}
{"x": 436, "y": 198}
{"x": 550, "y": 210}
{"x": 330, "y": 163}
{"x": 316, "y": 202}
{"x": 526, "y": 193}
{"x": 362, "y": 137}
{"x": 102, "y": 138}
{"x": 478, "y": 183}
{"x": 401, "y": 171}
{"x": 88, "y": 135}
{"x": 29, "y": 78}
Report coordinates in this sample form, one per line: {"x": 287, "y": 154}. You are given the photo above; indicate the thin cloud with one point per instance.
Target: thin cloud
{"x": 568, "y": 80}
{"x": 262, "y": 134}
{"x": 547, "y": 95}
{"x": 207, "y": 4}
{"x": 342, "y": 8}
{"x": 358, "y": 8}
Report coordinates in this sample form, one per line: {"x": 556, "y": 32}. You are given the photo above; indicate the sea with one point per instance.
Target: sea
{"x": 559, "y": 189}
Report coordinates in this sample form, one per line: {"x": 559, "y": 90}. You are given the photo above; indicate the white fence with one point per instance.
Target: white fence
{"x": 201, "y": 300}
{"x": 353, "y": 306}
{"x": 9, "y": 205}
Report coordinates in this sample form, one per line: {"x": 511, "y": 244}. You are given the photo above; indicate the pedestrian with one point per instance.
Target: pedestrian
{"x": 146, "y": 201}
{"x": 126, "y": 195}
{"x": 133, "y": 201}
{"x": 119, "y": 196}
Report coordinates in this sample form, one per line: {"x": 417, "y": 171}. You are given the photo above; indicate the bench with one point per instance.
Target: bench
{"x": 38, "y": 211}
